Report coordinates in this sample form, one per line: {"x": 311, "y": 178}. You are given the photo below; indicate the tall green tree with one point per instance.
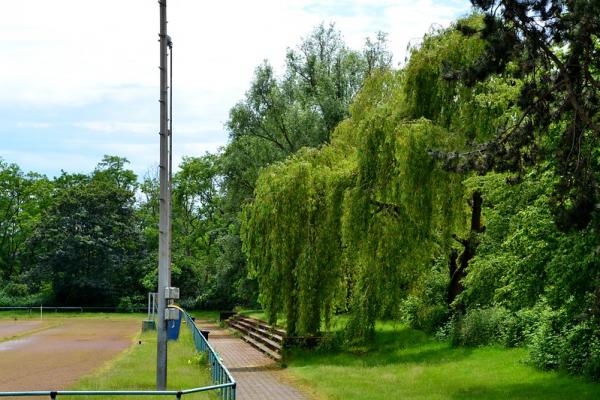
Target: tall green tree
{"x": 22, "y": 199}
{"x": 88, "y": 242}
{"x": 282, "y": 114}
{"x": 196, "y": 198}
{"x": 400, "y": 209}
{"x": 302, "y": 108}
{"x": 208, "y": 259}
{"x": 553, "y": 47}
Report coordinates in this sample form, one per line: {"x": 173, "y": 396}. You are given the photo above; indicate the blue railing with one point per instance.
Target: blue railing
{"x": 221, "y": 378}
{"x": 219, "y": 374}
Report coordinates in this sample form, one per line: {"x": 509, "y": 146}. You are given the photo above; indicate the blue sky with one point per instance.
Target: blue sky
{"x": 80, "y": 79}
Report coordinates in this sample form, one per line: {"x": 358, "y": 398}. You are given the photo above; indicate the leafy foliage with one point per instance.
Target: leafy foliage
{"x": 552, "y": 47}
{"x": 414, "y": 158}
{"x": 399, "y": 209}
{"x": 88, "y": 242}
{"x": 23, "y": 197}
{"x": 292, "y": 237}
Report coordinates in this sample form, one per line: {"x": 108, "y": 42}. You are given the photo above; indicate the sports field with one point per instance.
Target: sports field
{"x": 54, "y": 353}
{"x": 82, "y": 351}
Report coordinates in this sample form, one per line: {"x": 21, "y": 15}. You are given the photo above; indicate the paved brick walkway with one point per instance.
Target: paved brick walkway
{"x": 258, "y": 377}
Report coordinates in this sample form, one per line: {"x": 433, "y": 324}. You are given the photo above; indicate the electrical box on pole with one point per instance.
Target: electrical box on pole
{"x": 172, "y": 314}
{"x": 171, "y": 293}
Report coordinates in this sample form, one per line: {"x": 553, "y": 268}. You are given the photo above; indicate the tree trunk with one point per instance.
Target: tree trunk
{"x": 458, "y": 264}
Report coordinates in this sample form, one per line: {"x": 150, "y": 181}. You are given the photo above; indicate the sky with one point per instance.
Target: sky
{"x": 80, "y": 78}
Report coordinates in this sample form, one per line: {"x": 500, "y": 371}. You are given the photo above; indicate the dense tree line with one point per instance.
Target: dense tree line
{"x": 461, "y": 194}
{"x": 91, "y": 239}
{"x": 74, "y": 240}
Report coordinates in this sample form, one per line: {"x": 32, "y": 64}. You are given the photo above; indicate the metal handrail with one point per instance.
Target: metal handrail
{"x": 220, "y": 375}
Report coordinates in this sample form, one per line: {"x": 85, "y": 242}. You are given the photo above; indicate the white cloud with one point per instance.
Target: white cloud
{"x": 34, "y": 125}
{"x": 74, "y": 55}
{"x": 51, "y": 162}
{"x": 73, "y": 51}
{"x": 116, "y": 126}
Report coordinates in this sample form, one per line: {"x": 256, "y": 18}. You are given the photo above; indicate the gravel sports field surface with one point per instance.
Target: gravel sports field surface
{"x": 57, "y": 353}
{"x": 10, "y": 329}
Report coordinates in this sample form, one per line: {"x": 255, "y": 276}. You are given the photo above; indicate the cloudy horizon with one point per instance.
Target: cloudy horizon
{"x": 81, "y": 78}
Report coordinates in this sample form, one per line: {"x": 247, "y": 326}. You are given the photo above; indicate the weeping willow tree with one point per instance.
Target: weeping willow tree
{"x": 400, "y": 215}
{"x": 292, "y": 235}
{"x": 358, "y": 222}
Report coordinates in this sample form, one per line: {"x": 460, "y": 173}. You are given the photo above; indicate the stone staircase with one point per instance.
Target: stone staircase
{"x": 259, "y": 335}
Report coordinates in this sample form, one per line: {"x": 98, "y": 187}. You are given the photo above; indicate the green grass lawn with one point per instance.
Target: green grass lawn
{"x": 212, "y": 316}
{"x": 258, "y": 314}
{"x": 135, "y": 369}
{"x": 404, "y": 363}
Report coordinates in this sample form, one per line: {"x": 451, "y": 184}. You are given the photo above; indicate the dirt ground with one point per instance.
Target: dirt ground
{"x": 56, "y": 357}
{"x": 9, "y": 329}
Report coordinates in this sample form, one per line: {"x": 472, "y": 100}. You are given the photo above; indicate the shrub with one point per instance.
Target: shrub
{"x": 479, "y": 326}
{"x": 430, "y": 318}
{"x": 409, "y": 308}
{"x": 15, "y": 294}
{"x": 16, "y": 290}
{"x": 547, "y": 341}
{"x": 580, "y": 354}
{"x": 518, "y": 327}
{"x": 591, "y": 368}
{"x": 130, "y": 303}
{"x": 330, "y": 342}
{"x": 428, "y": 311}
{"x": 557, "y": 342}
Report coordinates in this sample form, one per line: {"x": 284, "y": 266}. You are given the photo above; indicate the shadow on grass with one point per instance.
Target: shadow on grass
{"x": 402, "y": 363}
{"x": 558, "y": 388}
{"x": 399, "y": 345}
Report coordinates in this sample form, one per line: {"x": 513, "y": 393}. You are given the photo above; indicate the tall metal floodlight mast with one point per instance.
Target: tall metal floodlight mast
{"x": 166, "y": 293}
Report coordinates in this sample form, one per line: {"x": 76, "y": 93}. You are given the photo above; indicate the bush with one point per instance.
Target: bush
{"x": 16, "y": 290}
{"x": 592, "y": 366}
{"x": 580, "y": 354}
{"x": 130, "y": 303}
{"x": 428, "y": 310}
{"x": 547, "y": 340}
{"x": 479, "y": 326}
{"x": 518, "y": 327}
{"x": 330, "y": 342}
{"x": 556, "y": 342}
{"x": 409, "y": 308}
{"x": 18, "y": 295}
{"x": 420, "y": 315}
{"x": 430, "y": 318}
{"x": 188, "y": 303}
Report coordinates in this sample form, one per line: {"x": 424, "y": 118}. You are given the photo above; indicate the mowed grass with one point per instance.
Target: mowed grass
{"x": 211, "y": 316}
{"x": 407, "y": 364}
{"x": 135, "y": 369}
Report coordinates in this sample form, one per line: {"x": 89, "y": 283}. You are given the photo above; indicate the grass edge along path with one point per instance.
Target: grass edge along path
{"x": 407, "y": 364}
{"x": 135, "y": 369}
